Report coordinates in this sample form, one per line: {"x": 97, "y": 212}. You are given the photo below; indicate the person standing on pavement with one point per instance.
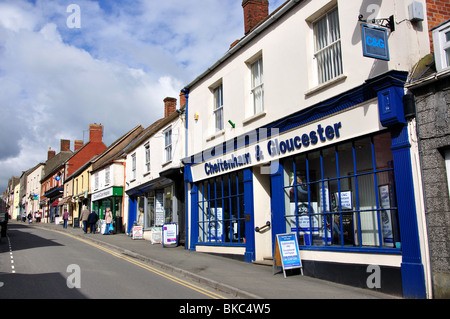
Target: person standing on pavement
{"x": 65, "y": 218}
{"x": 108, "y": 220}
{"x": 92, "y": 221}
{"x": 84, "y": 217}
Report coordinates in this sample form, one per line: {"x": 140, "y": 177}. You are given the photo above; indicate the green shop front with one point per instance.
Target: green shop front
{"x": 109, "y": 198}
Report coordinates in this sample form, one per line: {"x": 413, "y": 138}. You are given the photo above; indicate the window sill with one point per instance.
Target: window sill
{"x": 216, "y": 135}
{"x": 323, "y": 86}
{"x": 166, "y": 163}
{"x": 255, "y": 117}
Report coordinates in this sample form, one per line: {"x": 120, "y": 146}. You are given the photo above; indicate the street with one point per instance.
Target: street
{"x": 41, "y": 264}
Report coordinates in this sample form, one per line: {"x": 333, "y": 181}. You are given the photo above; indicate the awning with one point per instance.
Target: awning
{"x": 64, "y": 200}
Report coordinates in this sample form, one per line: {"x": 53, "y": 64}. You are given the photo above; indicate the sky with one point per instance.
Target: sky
{"x": 67, "y": 64}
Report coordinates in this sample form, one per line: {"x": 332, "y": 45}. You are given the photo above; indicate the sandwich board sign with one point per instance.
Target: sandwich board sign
{"x": 169, "y": 235}
{"x": 287, "y": 255}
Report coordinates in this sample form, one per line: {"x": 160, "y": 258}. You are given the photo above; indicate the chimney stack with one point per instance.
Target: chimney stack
{"x": 182, "y": 99}
{"x": 170, "y": 106}
{"x": 77, "y": 145}
{"x": 255, "y": 11}
{"x": 65, "y": 145}
{"x": 95, "y": 133}
{"x": 50, "y": 153}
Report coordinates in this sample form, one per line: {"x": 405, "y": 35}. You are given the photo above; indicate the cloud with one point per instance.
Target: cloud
{"x": 114, "y": 70}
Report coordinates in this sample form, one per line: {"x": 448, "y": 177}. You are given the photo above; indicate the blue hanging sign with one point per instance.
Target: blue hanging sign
{"x": 375, "y": 42}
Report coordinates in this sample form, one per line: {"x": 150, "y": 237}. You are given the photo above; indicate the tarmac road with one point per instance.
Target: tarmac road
{"x": 40, "y": 264}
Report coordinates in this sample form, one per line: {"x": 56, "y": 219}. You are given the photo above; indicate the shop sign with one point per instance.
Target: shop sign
{"x": 169, "y": 235}
{"x": 269, "y": 149}
{"x": 287, "y": 252}
{"x": 138, "y": 232}
{"x": 375, "y": 42}
{"x": 102, "y": 194}
{"x": 275, "y": 148}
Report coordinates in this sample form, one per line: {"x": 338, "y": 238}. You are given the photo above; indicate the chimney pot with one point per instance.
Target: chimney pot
{"x": 255, "y": 11}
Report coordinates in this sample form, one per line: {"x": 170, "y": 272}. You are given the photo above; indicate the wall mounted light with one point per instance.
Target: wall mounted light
{"x": 196, "y": 116}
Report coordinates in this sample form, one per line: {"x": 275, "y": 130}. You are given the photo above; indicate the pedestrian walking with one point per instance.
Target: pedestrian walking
{"x": 38, "y": 216}
{"x": 92, "y": 221}
{"x": 84, "y": 217}
{"x": 65, "y": 218}
{"x": 108, "y": 221}
{"x": 30, "y": 218}
{"x": 24, "y": 216}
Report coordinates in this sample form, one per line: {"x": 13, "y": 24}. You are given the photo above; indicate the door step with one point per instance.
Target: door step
{"x": 267, "y": 261}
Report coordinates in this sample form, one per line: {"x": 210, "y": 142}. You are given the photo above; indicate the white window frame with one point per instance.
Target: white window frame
{"x": 168, "y": 144}
{"x": 441, "y": 42}
{"x": 447, "y": 168}
{"x": 96, "y": 181}
{"x": 133, "y": 166}
{"x": 218, "y": 107}
{"x": 257, "y": 85}
{"x": 147, "y": 157}
{"x": 107, "y": 175}
{"x": 328, "y": 52}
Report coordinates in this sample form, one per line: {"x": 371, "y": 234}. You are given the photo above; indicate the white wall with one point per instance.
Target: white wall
{"x": 290, "y": 83}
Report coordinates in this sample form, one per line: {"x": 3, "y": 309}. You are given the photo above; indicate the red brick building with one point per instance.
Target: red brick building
{"x": 84, "y": 153}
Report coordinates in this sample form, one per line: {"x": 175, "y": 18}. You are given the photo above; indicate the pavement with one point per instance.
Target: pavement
{"x": 233, "y": 276}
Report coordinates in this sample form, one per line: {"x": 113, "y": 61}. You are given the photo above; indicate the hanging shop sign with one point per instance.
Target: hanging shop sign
{"x": 375, "y": 42}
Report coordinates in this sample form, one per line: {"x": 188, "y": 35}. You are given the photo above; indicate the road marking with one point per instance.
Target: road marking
{"x": 146, "y": 267}
{"x": 13, "y": 270}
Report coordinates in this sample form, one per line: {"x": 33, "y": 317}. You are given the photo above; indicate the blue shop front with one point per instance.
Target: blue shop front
{"x": 340, "y": 175}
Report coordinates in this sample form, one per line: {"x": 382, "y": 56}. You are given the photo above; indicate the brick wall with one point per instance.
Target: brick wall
{"x": 438, "y": 11}
{"x": 255, "y": 11}
{"x": 170, "y": 106}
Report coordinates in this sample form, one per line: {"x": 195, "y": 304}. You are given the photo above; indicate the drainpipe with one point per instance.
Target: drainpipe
{"x": 186, "y": 206}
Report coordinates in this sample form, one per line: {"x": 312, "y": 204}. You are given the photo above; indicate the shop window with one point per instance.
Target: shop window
{"x": 159, "y": 207}
{"x": 221, "y": 210}
{"x": 150, "y": 213}
{"x": 168, "y": 204}
{"x": 343, "y": 196}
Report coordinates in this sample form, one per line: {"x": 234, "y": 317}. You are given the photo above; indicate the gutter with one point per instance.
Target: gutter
{"x": 272, "y": 19}
{"x": 429, "y": 80}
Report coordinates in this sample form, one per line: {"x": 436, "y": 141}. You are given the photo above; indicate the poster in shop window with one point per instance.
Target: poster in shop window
{"x": 386, "y": 220}
{"x": 159, "y": 208}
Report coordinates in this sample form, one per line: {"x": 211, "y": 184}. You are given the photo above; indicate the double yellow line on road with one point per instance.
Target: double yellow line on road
{"x": 146, "y": 267}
